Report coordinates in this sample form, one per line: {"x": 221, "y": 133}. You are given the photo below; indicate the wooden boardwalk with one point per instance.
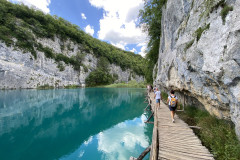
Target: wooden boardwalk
{"x": 174, "y": 141}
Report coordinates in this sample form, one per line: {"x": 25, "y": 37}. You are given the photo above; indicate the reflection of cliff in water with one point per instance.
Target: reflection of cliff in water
{"x": 60, "y": 118}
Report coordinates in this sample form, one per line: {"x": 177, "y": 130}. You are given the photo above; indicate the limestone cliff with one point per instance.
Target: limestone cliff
{"x": 200, "y": 55}
{"x": 22, "y": 70}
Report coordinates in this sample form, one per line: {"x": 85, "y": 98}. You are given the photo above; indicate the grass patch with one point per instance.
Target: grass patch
{"x": 130, "y": 84}
{"x": 45, "y": 86}
{"x": 225, "y": 11}
{"x": 73, "y": 86}
{"x": 216, "y": 134}
{"x": 60, "y": 66}
{"x": 164, "y": 96}
{"x": 210, "y": 6}
{"x": 200, "y": 30}
{"x": 188, "y": 45}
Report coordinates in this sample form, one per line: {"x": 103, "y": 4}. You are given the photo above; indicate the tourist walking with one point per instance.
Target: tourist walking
{"x": 158, "y": 97}
{"x": 154, "y": 89}
{"x": 148, "y": 88}
{"x": 172, "y": 103}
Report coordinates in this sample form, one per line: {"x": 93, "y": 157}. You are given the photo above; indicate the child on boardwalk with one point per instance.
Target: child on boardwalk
{"x": 172, "y": 103}
{"x": 158, "y": 97}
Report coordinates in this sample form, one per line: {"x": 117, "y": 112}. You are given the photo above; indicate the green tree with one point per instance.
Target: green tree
{"x": 101, "y": 75}
{"x": 150, "y": 16}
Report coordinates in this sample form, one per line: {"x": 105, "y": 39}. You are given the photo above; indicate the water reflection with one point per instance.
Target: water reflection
{"x": 117, "y": 143}
{"x": 48, "y": 124}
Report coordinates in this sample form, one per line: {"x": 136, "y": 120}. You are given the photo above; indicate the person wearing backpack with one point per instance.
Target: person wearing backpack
{"x": 158, "y": 97}
{"x": 172, "y": 103}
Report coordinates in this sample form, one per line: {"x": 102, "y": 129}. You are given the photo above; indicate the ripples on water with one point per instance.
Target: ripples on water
{"x": 91, "y": 124}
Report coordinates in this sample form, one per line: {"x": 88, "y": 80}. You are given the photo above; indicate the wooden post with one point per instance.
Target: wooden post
{"x": 144, "y": 153}
{"x": 147, "y": 107}
{"x": 149, "y": 117}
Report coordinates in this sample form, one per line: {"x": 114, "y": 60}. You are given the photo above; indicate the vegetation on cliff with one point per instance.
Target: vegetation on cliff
{"x": 101, "y": 75}
{"x": 216, "y": 134}
{"x": 130, "y": 84}
{"x": 20, "y": 26}
{"x": 150, "y": 17}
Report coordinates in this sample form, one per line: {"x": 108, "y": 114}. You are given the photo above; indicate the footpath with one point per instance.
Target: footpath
{"x": 176, "y": 141}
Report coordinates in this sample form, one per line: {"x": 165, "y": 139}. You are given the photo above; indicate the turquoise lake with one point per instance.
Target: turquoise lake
{"x": 72, "y": 124}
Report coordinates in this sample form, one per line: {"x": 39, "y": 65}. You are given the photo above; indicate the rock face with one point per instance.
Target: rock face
{"x": 200, "y": 55}
{"x": 21, "y": 70}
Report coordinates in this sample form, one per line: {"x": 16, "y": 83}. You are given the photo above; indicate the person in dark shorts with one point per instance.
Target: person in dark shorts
{"x": 172, "y": 103}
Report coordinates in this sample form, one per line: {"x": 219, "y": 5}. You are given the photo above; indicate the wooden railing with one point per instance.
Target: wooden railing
{"x": 154, "y": 146}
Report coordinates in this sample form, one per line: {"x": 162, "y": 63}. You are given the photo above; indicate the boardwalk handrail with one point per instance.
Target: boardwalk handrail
{"x": 154, "y": 146}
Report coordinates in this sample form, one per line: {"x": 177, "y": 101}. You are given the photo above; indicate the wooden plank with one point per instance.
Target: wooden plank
{"x": 181, "y": 144}
{"x": 187, "y": 150}
{"x": 193, "y": 155}
{"x": 170, "y": 156}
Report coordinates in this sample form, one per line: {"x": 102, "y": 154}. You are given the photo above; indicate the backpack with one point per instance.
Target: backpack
{"x": 173, "y": 101}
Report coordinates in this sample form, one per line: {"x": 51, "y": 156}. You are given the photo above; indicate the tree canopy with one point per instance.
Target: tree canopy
{"x": 150, "y": 16}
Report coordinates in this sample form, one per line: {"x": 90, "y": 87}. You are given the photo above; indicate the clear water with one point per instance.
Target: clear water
{"x": 69, "y": 124}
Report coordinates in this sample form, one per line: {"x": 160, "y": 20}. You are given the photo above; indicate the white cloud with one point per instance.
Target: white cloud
{"x": 39, "y": 4}
{"x": 133, "y": 50}
{"x": 122, "y": 138}
{"x": 120, "y": 45}
{"x": 81, "y": 154}
{"x": 118, "y": 24}
{"x": 88, "y": 141}
{"x": 89, "y": 29}
{"x": 83, "y": 16}
{"x": 143, "y": 49}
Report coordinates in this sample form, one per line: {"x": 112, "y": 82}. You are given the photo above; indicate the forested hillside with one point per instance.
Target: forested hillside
{"x": 21, "y": 26}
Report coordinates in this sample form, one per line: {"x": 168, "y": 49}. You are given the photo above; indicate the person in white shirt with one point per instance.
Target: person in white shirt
{"x": 158, "y": 97}
{"x": 172, "y": 103}
{"x": 154, "y": 89}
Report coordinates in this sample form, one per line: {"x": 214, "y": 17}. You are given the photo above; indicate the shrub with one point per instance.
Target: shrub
{"x": 225, "y": 11}
{"x": 45, "y": 86}
{"x": 73, "y": 86}
{"x": 130, "y": 84}
{"x": 200, "y": 30}
{"x": 164, "y": 96}
{"x": 85, "y": 68}
{"x": 216, "y": 134}
{"x": 115, "y": 77}
{"x": 99, "y": 77}
{"x": 188, "y": 45}
{"x": 47, "y": 51}
{"x": 210, "y": 6}
{"x": 61, "y": 67}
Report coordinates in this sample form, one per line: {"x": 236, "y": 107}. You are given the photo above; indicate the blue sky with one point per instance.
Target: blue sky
{"x": 113, "y": 21}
